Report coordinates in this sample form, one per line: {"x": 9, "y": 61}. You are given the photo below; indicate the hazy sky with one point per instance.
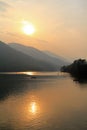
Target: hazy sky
{"x": 61, "y": 25}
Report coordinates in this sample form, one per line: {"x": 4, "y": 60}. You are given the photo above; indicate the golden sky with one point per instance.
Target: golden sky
{"x": 61, "y": 25}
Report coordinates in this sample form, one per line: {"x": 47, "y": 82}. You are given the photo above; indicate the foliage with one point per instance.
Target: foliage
{"x": 77, "y": 68}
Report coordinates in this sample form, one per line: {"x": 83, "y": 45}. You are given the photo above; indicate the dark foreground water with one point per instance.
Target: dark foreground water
{"x": 42, "y": 103}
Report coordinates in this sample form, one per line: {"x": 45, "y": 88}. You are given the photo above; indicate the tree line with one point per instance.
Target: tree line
{"x": 77, "y": 68}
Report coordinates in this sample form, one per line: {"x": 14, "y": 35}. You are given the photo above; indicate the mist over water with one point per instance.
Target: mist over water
{"x": 49, "y": 102}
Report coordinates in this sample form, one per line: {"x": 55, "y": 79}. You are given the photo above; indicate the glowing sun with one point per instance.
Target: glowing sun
{"x": 28, "y": 28}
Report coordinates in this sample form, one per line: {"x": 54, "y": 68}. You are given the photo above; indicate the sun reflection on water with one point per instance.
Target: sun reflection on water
{"x": 28, "y": 73}
{"x": 33, "y": 108}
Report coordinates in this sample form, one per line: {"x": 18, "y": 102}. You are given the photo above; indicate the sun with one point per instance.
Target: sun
{"x": 28, "y": 28}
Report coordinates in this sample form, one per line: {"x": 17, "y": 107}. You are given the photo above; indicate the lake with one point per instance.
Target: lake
{"x": 51, "y": 101}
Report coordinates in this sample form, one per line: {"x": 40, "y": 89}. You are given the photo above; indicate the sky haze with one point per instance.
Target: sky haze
{"x": 61, "y": 25}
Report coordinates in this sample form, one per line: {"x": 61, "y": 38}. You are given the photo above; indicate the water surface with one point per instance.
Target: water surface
{"x": 45, "y": 103}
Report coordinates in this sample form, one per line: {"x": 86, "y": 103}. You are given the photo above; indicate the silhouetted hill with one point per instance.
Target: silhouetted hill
{"x": 37, "y": 54}
{"x": 57, "y": 57}
{"x": 13, "y": 60}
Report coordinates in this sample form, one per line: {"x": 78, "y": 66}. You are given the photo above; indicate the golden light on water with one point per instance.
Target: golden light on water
{"x": 33, "y": 108}
{"x": 28, "y": 28}
{"x": 30, "y": 73}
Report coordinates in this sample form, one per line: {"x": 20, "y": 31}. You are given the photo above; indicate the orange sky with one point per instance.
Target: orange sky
{"x": 61, "y": 26}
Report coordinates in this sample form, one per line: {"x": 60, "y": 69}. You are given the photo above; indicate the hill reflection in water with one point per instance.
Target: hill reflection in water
{"x": 19, "y": 82}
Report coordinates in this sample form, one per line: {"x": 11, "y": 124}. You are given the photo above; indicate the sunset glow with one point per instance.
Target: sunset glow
{"x": 28, "y": 28}
{"x": 52, "y": 25}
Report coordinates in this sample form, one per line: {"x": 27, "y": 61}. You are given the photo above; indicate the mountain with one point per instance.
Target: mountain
{"x": 40, "y": 55}
{"x": 13, "y": 60}
{"x": 57, "y": 56}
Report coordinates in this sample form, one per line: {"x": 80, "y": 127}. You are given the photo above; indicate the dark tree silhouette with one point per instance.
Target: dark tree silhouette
{"x": 78, "y": 68}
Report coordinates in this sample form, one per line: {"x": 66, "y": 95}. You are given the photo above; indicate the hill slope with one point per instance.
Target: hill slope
{"x": 13, "y": 60}
{"x": 37, "y": 54}
{"x": 66, "y": 61}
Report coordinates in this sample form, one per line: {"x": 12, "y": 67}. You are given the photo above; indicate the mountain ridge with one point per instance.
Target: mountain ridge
{"x": 13, "y": 60}
{"x": 40, "y": 55}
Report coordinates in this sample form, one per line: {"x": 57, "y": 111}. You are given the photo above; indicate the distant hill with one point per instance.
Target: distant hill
{"x": 39, "y": 55}
{"x": 66, "y": 61}
{"x": 13, "y": 60}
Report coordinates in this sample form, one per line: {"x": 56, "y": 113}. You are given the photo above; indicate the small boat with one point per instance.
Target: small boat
{"x": 33, "y": 77}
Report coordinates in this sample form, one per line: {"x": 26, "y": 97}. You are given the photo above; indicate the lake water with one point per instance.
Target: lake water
{"x": 48, "y": 102}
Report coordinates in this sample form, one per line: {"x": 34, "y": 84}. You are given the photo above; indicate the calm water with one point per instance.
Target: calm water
{"x": 53, "y": 102}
